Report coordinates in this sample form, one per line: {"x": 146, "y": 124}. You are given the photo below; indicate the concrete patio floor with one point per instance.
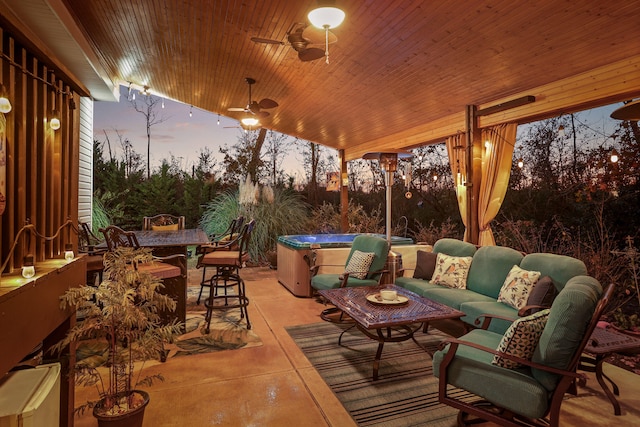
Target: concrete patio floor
{"x": 275, "y": 385}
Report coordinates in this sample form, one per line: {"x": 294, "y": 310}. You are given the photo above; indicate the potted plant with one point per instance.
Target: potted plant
{"x": 122, "y": 315}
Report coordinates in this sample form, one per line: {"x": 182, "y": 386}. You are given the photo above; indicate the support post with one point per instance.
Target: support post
{"x": 474, "y": 172}
{"x": 344, "y": 193}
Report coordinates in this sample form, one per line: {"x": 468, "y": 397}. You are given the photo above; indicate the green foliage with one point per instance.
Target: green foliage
{"x": 122, "y": 313}
{"x": 285, "y": 214}
{"x": 325, "y": 219}
{"x": 431, "y": 233}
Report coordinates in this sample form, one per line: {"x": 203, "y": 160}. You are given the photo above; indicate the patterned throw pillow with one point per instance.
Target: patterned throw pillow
{"x": 521, "y": 339}
{"x": 517, "y": 286}
{"x": 451, "y": 271}
{"x": 359, "y": 264}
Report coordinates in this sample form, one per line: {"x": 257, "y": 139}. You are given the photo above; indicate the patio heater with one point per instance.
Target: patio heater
{"x": 389, "y": 163}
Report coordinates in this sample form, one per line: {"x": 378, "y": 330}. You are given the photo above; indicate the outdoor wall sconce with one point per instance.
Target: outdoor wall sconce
{"x": 5, "y": 104}
{"x": 55, "y": 120}
{"x": 28, "y": 268}
{"x": 68, "y": 252}
{"x": 326, "y": 16}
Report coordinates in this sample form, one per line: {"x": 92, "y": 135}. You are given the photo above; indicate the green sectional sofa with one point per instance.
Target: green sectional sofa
{"x": 486, "y": 276}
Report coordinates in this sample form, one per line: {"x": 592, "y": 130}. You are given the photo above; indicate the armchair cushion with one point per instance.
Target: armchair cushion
{"x": 170, "y": 227}
{"x": 570, "y": 315}
{"x": 517, "y": 287}
{"x": 451, "y": 271}
{"x": 359, "y": 264}
{"x": 471, "y": 370}
{"x": 425, "y": 265}
{"x": 521, "y": 339}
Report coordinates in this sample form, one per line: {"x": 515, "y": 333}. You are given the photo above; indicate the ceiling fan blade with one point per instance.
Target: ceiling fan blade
{"x": 317, "y": 35}
{"x": 261, "y": 114}
{"x": 310, "y": 54}
{"x": 235, "y": 109}
{"x": 267, "y": 103}
{"x": 266, "y": 41}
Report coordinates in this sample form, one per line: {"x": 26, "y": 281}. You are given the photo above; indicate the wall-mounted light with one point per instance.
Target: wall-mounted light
{"x": 5, "y": 104}
{"x": 326, "y": 16}
{"x": 68, "y": 252}
{"x": 28, "y": 267}
{"x": 54, "y": 123}
{"x": 614, "y": 156}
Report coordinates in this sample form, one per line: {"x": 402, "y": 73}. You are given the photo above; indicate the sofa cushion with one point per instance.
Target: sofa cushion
{"x": 490, "y": 267}
{"x": 451, "y": 271}
{"x": 569, "y": 318}
{"x": 543, "y": 292}
{"x": 425, "y": 265}
{"x": 359, "y": 264}
{"x": 560, "y": 268}
{"x": 453, "y": 297}
{"x": 418, "y": 286}
{"x": 454, "y": 247}
{"x": 521, "y": 339}
{"x": 471, "y": 369}
{"x": 517, "y": 287}
{"x": 476, "y": 309}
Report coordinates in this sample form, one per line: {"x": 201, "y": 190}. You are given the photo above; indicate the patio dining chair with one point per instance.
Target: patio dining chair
{"x": 88, "y": 244}
{"x": 163, "y": 222}
{"x": 520, "y": 378}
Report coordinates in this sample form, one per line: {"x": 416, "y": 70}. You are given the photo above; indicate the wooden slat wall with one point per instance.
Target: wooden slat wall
{"x": 42, "y": 164}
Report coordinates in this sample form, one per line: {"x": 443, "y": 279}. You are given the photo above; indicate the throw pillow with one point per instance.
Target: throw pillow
{"x": 517, "y": 286}
{"x": 521, "y": 339}
{"x": 359, "y": 264}
{"x": 170, "y": 227}
{"x": 451, "y": 271}
{"x": 543, "y": 292}
{"x": 425, "y": 265}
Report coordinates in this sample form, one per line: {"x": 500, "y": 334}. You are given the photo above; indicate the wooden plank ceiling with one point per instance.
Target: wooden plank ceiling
{"x": 400, "y": 73}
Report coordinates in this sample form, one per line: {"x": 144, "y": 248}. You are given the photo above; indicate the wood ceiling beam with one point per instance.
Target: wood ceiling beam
{"x": 615, "y": 82}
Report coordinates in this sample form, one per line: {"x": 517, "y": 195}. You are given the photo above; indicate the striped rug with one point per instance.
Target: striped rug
{"x": 406, "y": 393}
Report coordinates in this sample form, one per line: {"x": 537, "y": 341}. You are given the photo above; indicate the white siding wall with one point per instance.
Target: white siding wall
{"x": 85, "y": 187}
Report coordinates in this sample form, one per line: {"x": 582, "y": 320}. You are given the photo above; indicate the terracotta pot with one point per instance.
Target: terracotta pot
{"x": 132, "y": 418}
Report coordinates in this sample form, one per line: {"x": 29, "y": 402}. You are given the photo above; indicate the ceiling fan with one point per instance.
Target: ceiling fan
{"x": 255, "y": 108}
{"x": 300, "y": 37}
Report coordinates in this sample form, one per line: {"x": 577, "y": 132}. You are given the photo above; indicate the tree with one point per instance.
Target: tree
{"x": 277, "y": 145}
{"x": 244, "y": 158}
{"x": 148, "y": 108}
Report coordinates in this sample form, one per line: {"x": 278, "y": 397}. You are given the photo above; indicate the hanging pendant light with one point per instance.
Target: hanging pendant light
{"x": 326, "y": 16}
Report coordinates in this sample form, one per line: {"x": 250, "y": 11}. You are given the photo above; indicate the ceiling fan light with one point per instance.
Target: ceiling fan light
{"x": 249, "y": 121}
{"x": 326, "y": 17}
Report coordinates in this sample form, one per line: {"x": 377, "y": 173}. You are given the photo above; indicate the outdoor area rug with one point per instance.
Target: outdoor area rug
{"x": 228, "y": 332}
{"x": 406, "y": 393}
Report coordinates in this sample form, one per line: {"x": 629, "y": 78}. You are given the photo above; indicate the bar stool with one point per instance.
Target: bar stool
{"x": 227, "y": 287}
{"x": 227, "y": 240}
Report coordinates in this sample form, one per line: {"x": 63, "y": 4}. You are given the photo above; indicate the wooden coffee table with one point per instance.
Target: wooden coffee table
{"x": 387, "y": 322}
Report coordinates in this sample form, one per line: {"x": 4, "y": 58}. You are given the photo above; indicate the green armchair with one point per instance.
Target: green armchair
{"x": 369, "y": 276}
{"x": 530, "y": 390}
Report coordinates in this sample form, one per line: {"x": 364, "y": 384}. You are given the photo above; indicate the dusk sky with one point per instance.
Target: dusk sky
{"x": 179, "y": 135}
{"x": 184, "y": 137}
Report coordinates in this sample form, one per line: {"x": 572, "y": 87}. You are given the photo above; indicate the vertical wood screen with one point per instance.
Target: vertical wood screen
{"x": 41, "y": 163}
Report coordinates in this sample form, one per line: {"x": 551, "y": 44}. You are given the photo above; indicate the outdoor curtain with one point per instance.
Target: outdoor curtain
{"x": 496, "y": 169}
{"x": 458, "y": 164}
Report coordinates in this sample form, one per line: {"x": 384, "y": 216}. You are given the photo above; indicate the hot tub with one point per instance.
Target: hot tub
{"x": 332, "y": 251}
